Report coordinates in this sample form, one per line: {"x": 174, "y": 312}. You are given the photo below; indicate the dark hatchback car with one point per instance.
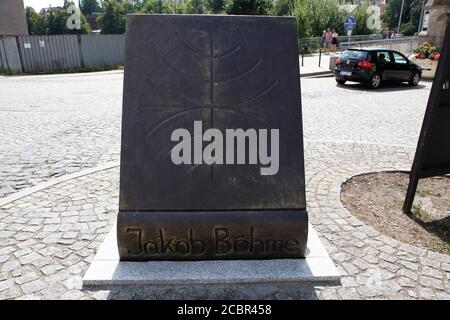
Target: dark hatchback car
{"x": 374, "y": 66}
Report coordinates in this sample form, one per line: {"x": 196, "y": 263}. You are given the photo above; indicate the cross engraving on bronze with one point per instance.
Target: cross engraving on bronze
{"x": 214, "y": 106}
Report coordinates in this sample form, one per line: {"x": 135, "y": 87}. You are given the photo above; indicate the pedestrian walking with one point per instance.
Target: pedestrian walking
{"x": 387, "y": 34}
{"x": 328, "y": 41}
{"x": 322, "y": 40}
{"x": 334, "y": 41}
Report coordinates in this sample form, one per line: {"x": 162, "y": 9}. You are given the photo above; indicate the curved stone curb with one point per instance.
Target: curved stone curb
{"x": 26, "y": 192}
{"x": 435, "y": 255}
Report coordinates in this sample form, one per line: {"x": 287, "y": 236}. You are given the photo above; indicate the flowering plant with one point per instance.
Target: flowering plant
{"x": 427, "y": 51}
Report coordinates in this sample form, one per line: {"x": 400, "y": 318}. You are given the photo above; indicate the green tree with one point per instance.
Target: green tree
{"x": 215, "y": 6}
{"x": 249, "y": 7}
{"x": 176, "y": 7}
{"x": 88, "y": 6}
{"x": 315, "y": 16}
{"x": 32, "y": 20}
{"x": 411, "y": 14}
{"x": 131, "y": 6}
{"x": 361, "y": 15}
{"x": 156, "y": 6}
{"x": 54, "y": 21}
{"x": 416, "y": 12}
{"x": 282, "y": 7}
{"x": 408, "y": 29}
{"x": 298, "y": 10}
{"x": 113, "y": 20}
{"x": 194, "y": 7}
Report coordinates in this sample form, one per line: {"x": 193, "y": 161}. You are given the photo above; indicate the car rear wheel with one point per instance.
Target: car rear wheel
{"x": 414, "y": 81}
{"x": 375, "y": 81}
{"x": 341, "y": 81}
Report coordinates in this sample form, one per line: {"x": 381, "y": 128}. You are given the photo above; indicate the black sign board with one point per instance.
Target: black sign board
{"x": 212, "y": 154}
{"x": 433, "y": 150}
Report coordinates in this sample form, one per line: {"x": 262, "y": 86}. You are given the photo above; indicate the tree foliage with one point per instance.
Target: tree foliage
{"x": 215, "y": 6}
{"x": 174, "y": 7}
{"x": 410, "y": 17}
{"x": 315, "y": 16}
{"x": 156, "y": 6}
{"x": 131, "y": 6}
{"x": 282, "y": 7}
{"x": 33, "y": 21}
{"x": 88, "y": 6}
{"x": 194, "y": 6}
{"x": 361, "y": 15}
{"x": 298, "y": 10}
{"x": 54, "y": 21}
{"x": 113, "y": 19}
{"x": 249, "y": 7}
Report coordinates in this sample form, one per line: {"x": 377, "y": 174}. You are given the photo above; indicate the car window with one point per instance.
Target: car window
{"x": 383, "y": 56}
{"x": 354, "y": 55}
{"x": 399, "y": 58}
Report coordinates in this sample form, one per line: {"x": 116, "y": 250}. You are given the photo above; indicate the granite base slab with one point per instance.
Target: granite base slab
{"x": 221, "y": 279}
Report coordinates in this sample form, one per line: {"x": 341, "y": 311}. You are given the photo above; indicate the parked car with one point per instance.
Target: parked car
{"x": 375, "y": 66}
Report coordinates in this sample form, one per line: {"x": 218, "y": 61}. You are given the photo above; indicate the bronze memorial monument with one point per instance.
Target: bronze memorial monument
{"x": 212, "y": 160}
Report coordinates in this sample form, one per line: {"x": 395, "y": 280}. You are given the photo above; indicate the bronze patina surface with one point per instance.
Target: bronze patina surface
{"x": 224, "y": 72}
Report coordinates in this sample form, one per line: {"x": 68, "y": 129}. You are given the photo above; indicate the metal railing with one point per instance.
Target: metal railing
{"x": 314, "y": 44}
{"x": 405, "y": 45}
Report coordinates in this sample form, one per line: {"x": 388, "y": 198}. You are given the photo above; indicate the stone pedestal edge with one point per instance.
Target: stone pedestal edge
{"x": 107, "y": 272}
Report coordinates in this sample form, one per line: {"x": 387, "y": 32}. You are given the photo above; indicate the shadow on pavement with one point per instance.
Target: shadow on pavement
{"x": 214, "y": 292}
{"x": 385, "y": 87}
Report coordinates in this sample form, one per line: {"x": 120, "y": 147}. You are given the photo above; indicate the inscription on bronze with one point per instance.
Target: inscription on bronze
{"x": 224, "y": 244}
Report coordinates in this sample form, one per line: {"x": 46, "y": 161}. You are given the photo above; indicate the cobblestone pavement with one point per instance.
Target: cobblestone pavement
{"x": 48, "y": 238}
{"x": 58, "y": 124}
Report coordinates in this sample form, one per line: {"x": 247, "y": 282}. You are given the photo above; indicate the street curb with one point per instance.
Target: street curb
{"x": 314, "y": 74}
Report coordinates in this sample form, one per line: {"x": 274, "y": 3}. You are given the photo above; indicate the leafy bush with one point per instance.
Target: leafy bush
{"x": 408, "y": 29}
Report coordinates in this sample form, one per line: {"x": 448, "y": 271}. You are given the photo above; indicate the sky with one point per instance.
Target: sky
{"x": 39, "y": 4}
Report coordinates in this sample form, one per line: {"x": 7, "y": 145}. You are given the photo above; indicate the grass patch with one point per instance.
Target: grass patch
{"x": 421, "y": 192}
{"x": 5, "y": 72}
{"x": 420, "y": 213}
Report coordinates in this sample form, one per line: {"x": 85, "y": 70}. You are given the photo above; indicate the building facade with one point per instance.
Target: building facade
{"x": 12, "y": 21}
{"x": 435, "y": 17}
